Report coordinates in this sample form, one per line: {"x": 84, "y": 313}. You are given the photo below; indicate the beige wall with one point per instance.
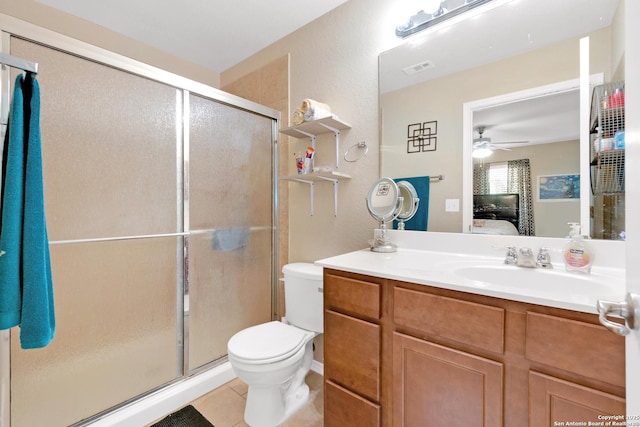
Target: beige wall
{"x": 72, "y": 26}
{"x": 334, "y": 60}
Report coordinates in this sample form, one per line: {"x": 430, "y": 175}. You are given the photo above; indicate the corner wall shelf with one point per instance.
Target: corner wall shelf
{"x": 318, "y": 127}
{"x": 311, "y": 179}
{"x": 311, "y": 129}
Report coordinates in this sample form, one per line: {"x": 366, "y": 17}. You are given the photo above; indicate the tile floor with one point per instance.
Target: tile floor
{"x": 224, "y": 406}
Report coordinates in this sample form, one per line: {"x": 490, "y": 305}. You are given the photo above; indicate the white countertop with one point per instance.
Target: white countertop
{"x": 474, "y": 273}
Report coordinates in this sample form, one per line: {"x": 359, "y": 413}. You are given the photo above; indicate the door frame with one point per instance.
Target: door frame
{"x": 632, "y": 198}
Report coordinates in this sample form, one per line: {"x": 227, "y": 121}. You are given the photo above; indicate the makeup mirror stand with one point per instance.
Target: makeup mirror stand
{"x": 384, "y": 204}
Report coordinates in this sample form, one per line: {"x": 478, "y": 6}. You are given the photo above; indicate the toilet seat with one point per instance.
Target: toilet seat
{"x": 267, "y": 343}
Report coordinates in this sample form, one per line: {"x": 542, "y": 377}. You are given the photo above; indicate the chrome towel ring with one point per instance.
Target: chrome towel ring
{"x": 361, "y": 144}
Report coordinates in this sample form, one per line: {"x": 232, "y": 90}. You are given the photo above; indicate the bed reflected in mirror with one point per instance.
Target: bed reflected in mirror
{"x": 496, "y": 214}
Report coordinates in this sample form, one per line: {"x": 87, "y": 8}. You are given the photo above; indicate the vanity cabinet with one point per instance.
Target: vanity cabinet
{"x": 402, "y": 354}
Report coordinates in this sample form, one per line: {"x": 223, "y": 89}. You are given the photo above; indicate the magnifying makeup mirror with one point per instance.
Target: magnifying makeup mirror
{"x": 384, "y": 203}
{"x": 409, "y": 205}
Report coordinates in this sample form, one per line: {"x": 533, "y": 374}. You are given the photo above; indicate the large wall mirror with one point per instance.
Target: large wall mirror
{"x": 517, "y": 64}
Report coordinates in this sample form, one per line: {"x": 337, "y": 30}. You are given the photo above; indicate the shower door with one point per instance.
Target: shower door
{"x": 110, "y": 182}
{"x": 159, "y": 208}
{"x": 230, "y": 221}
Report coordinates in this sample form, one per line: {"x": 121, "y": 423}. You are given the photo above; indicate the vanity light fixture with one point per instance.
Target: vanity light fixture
{"x": 435, "y": 12}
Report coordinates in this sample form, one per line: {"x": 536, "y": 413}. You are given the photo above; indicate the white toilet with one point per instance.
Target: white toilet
{"x": 274, "y": 358}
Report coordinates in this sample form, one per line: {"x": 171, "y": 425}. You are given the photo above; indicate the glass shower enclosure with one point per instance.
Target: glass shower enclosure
{"x": 161, "y": 211}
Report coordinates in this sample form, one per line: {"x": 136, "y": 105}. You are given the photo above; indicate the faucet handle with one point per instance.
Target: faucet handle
{"x": 512, "y": 256}
{"x": 543, "y": 259}
{"x": 527, "y": 252}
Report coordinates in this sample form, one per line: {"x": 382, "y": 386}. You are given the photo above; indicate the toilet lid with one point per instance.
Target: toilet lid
{"x": 267, "y": 343}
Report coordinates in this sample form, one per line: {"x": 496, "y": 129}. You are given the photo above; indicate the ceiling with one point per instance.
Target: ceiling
{"x": 215, "y": 34}
{"x": 541, "y": 120}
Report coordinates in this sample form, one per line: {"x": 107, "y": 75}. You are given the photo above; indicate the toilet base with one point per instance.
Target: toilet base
{"x": 265, "y": 405}
{"x": 296, "y": 401}
{"x": 270, "y": 406}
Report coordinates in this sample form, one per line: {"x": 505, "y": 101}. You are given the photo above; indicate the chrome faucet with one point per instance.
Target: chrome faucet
{"x": 544, "y": 259}
{"x": 525, "y": 258}
{"x": 511, "y": 257}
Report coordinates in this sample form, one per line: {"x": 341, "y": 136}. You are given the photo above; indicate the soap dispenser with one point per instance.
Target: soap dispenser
{"x": 577, "y": 255}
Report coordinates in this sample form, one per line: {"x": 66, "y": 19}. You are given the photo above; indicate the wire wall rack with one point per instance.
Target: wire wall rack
{"x": 607, "y": 139}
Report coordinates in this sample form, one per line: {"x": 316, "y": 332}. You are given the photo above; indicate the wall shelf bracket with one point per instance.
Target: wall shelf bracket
{"x": 310, "y": 135}
{"x": 336, "y": 133}
{"x": 311, "y": 186}
{"x": 332, "y": 177}
{"x": 335, "y": 193}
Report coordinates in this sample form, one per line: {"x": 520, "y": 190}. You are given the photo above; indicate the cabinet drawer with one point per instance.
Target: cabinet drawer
{"x": 479, "y": 325}
{"x": 352, "y": 296}
{"x": 579, "y": 347}
{"x": 352, "y": 353}
{"x": 343, "y": 408}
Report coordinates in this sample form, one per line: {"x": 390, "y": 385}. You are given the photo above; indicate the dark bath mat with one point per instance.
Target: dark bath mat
{"x": 185, "y": 417}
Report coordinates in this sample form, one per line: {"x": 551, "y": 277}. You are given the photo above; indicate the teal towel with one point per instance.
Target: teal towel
{"x": 421, "y": 218}
{"x": 28, "y": 282}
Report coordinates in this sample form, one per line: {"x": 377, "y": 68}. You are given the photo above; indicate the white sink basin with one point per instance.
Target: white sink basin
{"x": 538, "y": 279}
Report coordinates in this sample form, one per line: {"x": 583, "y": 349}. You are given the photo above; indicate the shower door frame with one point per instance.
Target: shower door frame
{"x": 12, "y": 27}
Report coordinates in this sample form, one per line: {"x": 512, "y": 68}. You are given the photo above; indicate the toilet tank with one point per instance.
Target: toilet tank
{"x": 303, "y": 295}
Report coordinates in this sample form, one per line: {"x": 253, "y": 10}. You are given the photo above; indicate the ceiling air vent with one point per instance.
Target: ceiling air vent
{"x": 416, "y": 68}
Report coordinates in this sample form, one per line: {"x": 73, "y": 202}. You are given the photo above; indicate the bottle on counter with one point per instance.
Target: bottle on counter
{"x": 577, "y": 255}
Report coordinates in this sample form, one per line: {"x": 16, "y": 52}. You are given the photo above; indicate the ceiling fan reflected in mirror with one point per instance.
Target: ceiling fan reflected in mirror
{"x": 483, "y": 147}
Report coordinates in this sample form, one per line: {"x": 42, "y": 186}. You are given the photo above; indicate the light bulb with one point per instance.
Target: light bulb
{"x": 431, "y": 6}
{"x": 481, "y": 153}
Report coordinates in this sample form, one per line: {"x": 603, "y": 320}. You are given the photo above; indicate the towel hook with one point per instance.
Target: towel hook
{"x": 361, "y": 144}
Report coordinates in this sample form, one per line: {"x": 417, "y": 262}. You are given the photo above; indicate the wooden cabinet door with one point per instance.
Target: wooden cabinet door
{"x": 439, "y": 386}
{"x": 343, "y": 408}
{"x": 555, "y": 402}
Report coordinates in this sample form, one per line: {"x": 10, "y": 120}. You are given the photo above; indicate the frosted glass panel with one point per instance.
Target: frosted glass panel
{"x": 109, "y": 148}
{"x": 230, "y": 166}
{"x": 115, "y": 336}
{"x": 230, "y": 211}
